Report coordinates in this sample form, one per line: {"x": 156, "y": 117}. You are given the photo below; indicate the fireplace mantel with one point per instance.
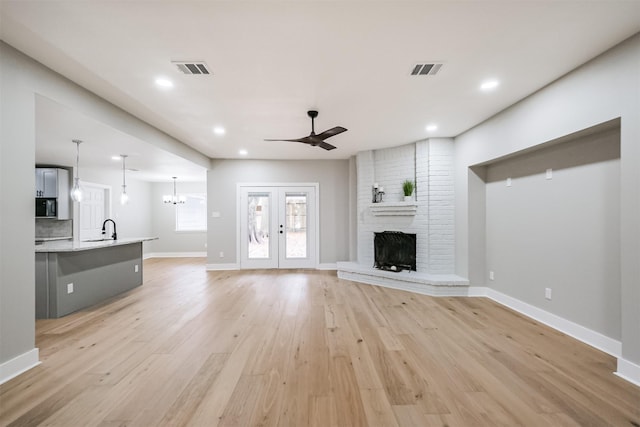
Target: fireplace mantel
{"x": 393, "y": 208}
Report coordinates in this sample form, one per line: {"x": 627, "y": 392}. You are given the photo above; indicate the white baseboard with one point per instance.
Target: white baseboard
{"x": 19, "y": 364}
{"x": 234, "y": 266}
{"x": 175, "y": 255}
{"x": 477, "y": 291}
{"x": 221, "y": 267}
{"x": 628, "y": 371}
{"x": 586, "y": 335}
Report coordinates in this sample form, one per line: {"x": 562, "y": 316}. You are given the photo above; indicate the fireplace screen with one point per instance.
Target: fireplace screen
{"x": 394, "y": 251}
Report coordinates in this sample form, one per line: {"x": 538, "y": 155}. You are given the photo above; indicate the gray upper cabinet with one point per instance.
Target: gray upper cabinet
{"x": 47, "y": 182}
{"x": 53, "y": 183}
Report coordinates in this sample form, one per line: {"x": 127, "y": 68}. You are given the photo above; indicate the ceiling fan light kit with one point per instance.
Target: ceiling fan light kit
{"x": 313, "y": 139}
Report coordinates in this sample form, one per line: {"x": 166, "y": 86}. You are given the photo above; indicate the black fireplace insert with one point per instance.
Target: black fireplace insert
{"x": 394, "y": 251}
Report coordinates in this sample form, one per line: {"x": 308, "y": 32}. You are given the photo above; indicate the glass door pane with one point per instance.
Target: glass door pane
{"x": 258, "y": 232}
{"x": 295, "y": 225}
{"x": 278, "y": 226}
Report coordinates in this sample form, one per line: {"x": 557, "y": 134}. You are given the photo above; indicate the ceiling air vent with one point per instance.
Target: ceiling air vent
{"x": 426, "y": 69}
{"x": 191, "y": 67}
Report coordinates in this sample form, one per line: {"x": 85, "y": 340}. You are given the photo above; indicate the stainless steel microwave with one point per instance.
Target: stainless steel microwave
{"x": 46, "y": 208}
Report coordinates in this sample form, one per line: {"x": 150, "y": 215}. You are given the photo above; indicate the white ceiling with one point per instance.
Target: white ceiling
{"x": 351, "y": 60}
{"x": 57, "y": 126}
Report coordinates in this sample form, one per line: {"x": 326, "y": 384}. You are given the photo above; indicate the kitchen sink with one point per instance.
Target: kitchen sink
{"x": 97, "y": 240}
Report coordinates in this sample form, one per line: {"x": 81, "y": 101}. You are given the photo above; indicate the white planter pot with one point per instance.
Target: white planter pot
{"x": 408, "y": 198}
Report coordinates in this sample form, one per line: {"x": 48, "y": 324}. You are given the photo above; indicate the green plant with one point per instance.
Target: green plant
{"x": 407, "y": 187}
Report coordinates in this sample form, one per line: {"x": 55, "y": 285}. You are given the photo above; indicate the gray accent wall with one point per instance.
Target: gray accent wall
{"x": 163, "y": 221}
{"x": 334, "y": 182}
{"x": 602, "y": 90}
{"x": 561, "y": 233}
{"x": 17, "y": 231}
{"x": 21, "y": 80}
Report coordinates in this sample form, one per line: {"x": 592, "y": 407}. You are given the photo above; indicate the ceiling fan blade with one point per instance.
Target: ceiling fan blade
{"x": 313, "y": 139}
{"x": 326, "y": 146}
{"x": 304, "y": 140}
{"x": 331, "y": 132}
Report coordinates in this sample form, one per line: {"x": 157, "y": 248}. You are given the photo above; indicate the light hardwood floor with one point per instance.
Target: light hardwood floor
{"x": 304, "y": 348}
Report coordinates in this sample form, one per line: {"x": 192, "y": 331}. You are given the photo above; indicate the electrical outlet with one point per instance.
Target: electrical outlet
{"x": 221, "y": 254}
{"x": 492, "y": 276}
{"x": 135, "y": 268}
{"x": 508, "y": 182}
{"x": 549, "y": 173}
{"x": 69, "y": 288}
{"x": 547, "y": 293}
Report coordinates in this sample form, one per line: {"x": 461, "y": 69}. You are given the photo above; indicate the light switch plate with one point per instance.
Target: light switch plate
{"x": 69, "y": 288}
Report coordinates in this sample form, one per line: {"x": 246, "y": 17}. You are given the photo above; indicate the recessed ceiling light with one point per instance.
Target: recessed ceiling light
{"x": 219, "y": 130}
{"x": 431, "y": 128}
{"x": 489, "y": 84}
{"x": 243, "y": 152}
{"x": 164, "y": 83}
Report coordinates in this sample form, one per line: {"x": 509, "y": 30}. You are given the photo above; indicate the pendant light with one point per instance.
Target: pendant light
{"x": 174, "y": 199}
{"x": 124, "y": 197}
{"x": 76, "y": 191}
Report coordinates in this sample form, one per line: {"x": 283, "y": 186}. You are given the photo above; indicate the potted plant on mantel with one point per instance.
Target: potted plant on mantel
{"x": 407, "y": 188}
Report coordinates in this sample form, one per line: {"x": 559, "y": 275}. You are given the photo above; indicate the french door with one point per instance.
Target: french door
{"x": 278, "y": 226}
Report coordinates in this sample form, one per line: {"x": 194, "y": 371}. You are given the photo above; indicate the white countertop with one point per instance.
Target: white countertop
{"x": 73, "y": 246}
{"x": 49, "y": 239}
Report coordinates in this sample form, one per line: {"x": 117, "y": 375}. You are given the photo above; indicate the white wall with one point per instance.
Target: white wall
{"x": 170, "y": 241}
{"x": 604, "y": 89}
{"x": 333, "y": 179}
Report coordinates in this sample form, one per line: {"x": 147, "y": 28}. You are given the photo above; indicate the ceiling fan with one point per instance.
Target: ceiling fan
{"x": 313, "y": 139}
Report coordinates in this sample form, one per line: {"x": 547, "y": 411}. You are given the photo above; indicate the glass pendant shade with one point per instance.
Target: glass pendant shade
{"x": 124, "y": 197}
{"x": 76, "y": 190}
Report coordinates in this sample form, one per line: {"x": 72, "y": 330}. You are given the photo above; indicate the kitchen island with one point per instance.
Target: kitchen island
{"x": 72, "y": 275}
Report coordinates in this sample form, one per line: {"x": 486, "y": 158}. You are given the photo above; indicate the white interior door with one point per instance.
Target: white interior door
{"x": 93, "y": 209}
{"x": 278, "y": 226}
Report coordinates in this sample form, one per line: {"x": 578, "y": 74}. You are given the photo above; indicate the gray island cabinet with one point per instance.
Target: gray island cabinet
{"x": 71, "y": 276}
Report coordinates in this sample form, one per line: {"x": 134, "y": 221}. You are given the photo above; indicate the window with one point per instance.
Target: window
{"x": 192, "y": 214}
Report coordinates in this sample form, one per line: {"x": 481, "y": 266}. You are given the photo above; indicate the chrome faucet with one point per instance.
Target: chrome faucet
{"x": 114, "y": 236}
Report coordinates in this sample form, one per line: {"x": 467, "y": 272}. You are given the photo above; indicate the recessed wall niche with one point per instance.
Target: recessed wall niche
{"x": 552, "y": 220}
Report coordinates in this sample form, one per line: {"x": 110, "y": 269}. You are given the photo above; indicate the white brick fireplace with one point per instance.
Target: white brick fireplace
{"x": 430, "y": 216}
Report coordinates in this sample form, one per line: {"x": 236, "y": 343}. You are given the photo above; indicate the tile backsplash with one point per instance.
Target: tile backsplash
{"x": 47, "y": 228}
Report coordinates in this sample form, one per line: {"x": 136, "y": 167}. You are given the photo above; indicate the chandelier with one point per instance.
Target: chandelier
{"x": 174, "y": 198}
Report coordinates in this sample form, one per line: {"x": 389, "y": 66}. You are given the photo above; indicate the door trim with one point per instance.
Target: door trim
{"x": 315, "y": 185}
{"x": 76, "y": 206}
